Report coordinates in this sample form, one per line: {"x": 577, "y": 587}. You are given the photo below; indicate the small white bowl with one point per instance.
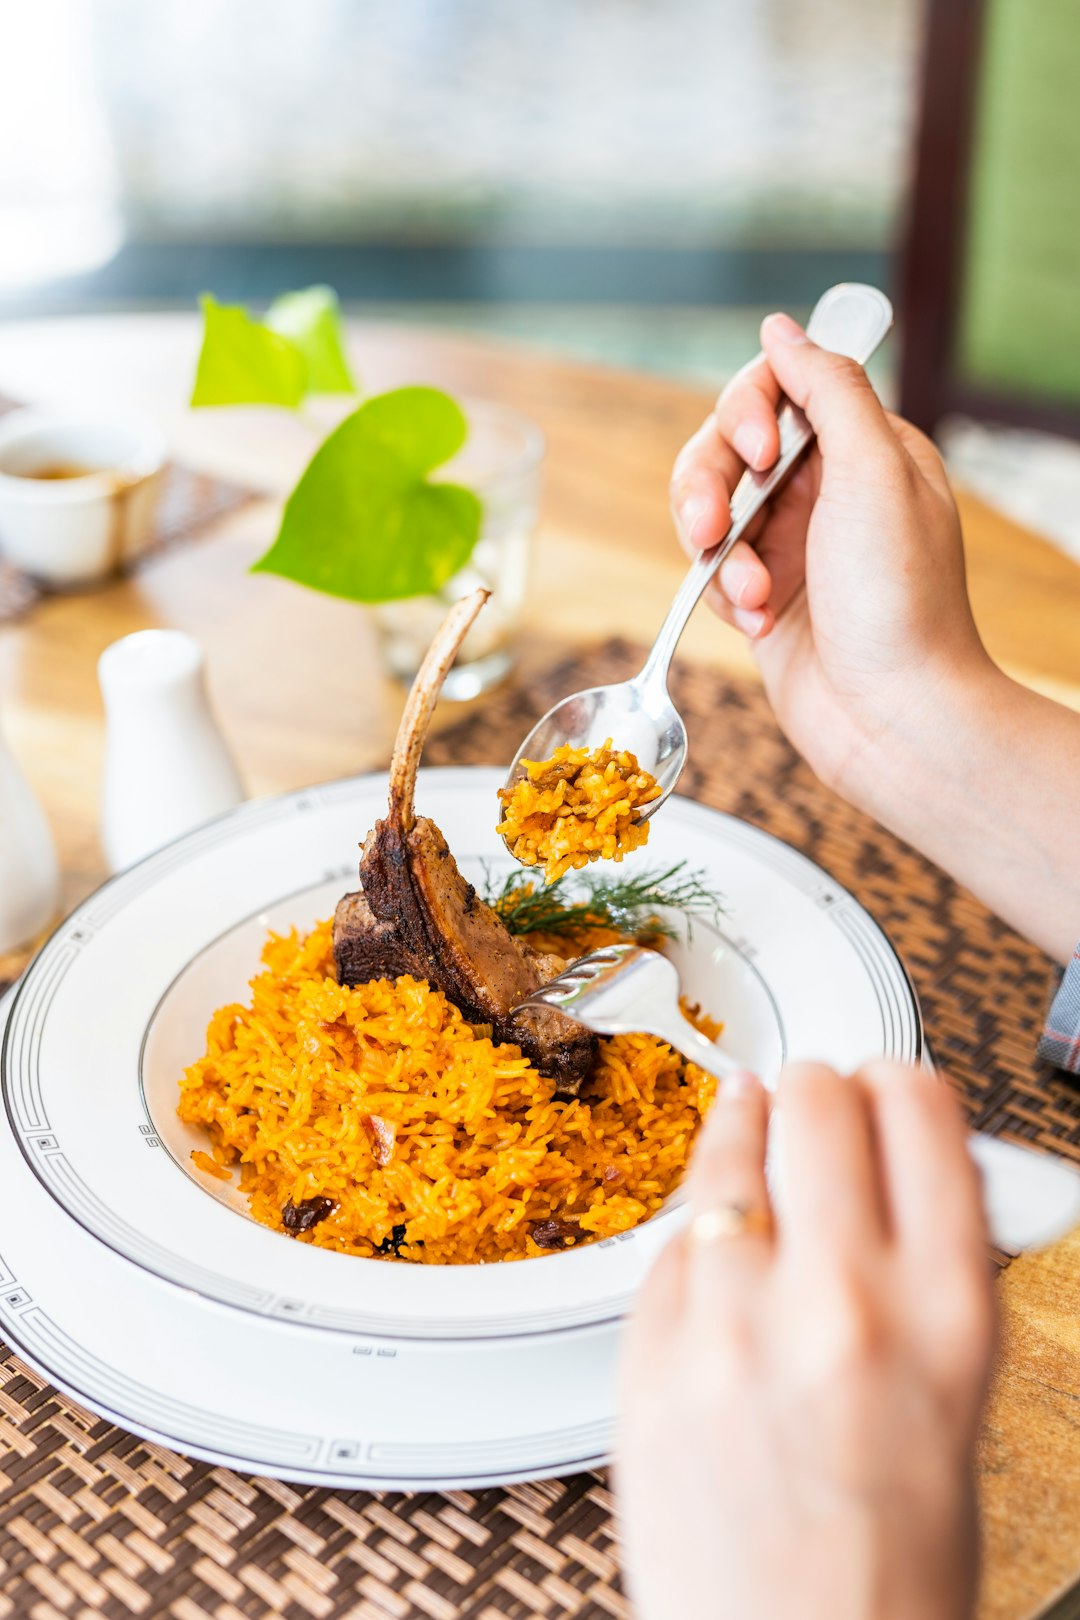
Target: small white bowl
{"x": 72, "y": 530}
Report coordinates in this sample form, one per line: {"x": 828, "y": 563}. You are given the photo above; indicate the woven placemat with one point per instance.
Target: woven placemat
{"x": 93, "y": 1520}
{"x": 187, "y": 507}
{"x": 984, "y": 990}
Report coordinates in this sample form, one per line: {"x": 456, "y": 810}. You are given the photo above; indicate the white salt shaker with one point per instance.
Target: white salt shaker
{"x": 167, "y": 766}
{"x": 29, "y": 870}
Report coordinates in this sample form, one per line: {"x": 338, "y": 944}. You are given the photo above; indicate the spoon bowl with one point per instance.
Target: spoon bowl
{"x": 638, "y": 714}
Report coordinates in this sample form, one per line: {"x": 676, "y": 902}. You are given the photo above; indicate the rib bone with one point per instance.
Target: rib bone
{"x": 418, "y": 915}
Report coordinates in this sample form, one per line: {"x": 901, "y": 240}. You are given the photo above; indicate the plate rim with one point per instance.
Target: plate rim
{"x": 327, "y": 1478}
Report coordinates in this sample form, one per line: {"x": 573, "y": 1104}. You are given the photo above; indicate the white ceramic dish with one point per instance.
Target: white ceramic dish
{"x": 301, "y": 1403}
{"x": 74, "y": 530}
{"x": 90, "y": 1074}
{"x": 209, "y": 1314}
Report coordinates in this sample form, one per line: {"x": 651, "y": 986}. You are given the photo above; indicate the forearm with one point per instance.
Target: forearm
{"x": 985, "y": 781}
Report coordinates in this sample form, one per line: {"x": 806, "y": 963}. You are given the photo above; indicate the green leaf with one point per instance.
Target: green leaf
{"x": 364, "y": 522}
{"x": 243, "y": 363}
{"x": 312, "y": 321}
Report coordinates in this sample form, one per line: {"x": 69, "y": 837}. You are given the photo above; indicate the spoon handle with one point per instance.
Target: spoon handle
{"x": 850, "y": 319}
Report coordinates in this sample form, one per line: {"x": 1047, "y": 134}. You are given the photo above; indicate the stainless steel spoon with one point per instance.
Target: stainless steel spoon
{"x": 638, "y": 714}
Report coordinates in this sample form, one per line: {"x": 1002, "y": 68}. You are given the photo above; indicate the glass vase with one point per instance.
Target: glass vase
{"x": 501, "y": 460}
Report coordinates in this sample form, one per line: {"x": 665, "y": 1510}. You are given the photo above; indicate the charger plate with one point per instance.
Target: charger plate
{"x": 146, "y": 1292}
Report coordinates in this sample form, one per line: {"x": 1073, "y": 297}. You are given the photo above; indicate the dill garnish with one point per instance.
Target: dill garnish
{"x": 630, "y": 904}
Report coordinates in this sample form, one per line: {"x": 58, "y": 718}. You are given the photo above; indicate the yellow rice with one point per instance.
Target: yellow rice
{"x": 383, "y": 1100}
{"x": 578, "y": 806}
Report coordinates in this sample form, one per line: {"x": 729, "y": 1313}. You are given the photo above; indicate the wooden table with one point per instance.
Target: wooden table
{"x": 605, "y": 564}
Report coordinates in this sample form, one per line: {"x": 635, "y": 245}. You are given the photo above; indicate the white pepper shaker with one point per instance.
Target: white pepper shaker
{"x": 167, "y": 766}
{"x": 29, "y": 869}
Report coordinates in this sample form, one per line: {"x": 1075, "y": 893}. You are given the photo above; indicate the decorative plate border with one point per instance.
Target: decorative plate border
{"x": 306, "y": 1458}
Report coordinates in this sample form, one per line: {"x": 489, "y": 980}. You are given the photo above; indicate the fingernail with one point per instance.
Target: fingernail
{"x": 740, "y": 1083}
{"x": 749, "y": 441}
{"x": 787, "y": 330}
{"x": 751, "y": 621}
{"x": 692, "y": 513}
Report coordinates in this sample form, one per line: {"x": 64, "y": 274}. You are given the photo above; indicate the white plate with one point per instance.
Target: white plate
{"x": 301, "y": 1403}
{"x": 126, "y": 987}
{"x": 281, "y": 1357}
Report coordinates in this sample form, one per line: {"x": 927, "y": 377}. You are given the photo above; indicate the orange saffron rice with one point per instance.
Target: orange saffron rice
{"x": 410, "y": 1132}
{"x": 578, "y": 806}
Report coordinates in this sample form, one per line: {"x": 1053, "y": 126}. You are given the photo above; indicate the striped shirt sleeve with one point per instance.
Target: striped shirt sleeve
{"x": 1060, "y": 1044}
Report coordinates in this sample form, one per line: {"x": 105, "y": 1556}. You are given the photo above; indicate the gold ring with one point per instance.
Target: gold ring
{"x": 728, "y": 1221}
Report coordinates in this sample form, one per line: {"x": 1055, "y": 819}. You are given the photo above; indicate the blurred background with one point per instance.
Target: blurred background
{"x": 558, "y": 171}
{"x": 634, "y": 181}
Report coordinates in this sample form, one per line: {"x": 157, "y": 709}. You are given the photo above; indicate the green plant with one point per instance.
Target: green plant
{"x": 366, "y": 521}
{"x": 632, "y": 904}
{"x": 297, "y": 350}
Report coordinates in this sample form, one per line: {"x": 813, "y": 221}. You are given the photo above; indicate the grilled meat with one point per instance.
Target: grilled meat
{"x": 365, "y": 948}
{"x": 417, "y": 914}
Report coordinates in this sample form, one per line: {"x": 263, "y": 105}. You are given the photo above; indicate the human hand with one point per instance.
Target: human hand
{"x": 854, "y": 593}
{"x": 799, "y": 1408}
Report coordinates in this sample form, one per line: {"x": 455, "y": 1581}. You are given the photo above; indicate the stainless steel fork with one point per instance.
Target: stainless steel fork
{"x": 628, "y": 990}
{"x": 1031, "y": 1198}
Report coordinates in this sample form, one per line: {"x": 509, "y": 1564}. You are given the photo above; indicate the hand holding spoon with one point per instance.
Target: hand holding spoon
{"x": 638, "y": 714}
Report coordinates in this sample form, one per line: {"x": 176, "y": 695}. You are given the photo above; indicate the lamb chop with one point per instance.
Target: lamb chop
{"x": 415, "y": 913}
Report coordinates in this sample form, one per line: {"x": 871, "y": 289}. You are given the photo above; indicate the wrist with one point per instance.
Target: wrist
{"x": 908, "y": 770}
{"x": 982, "y": 776}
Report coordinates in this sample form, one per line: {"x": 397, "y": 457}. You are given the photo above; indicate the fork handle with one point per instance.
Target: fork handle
{"x": 680, "y": 1034}
{"x": 1031, "y": 1198}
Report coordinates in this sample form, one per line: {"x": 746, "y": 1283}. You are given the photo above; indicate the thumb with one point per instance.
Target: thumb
{"x": 835, "y": 393}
